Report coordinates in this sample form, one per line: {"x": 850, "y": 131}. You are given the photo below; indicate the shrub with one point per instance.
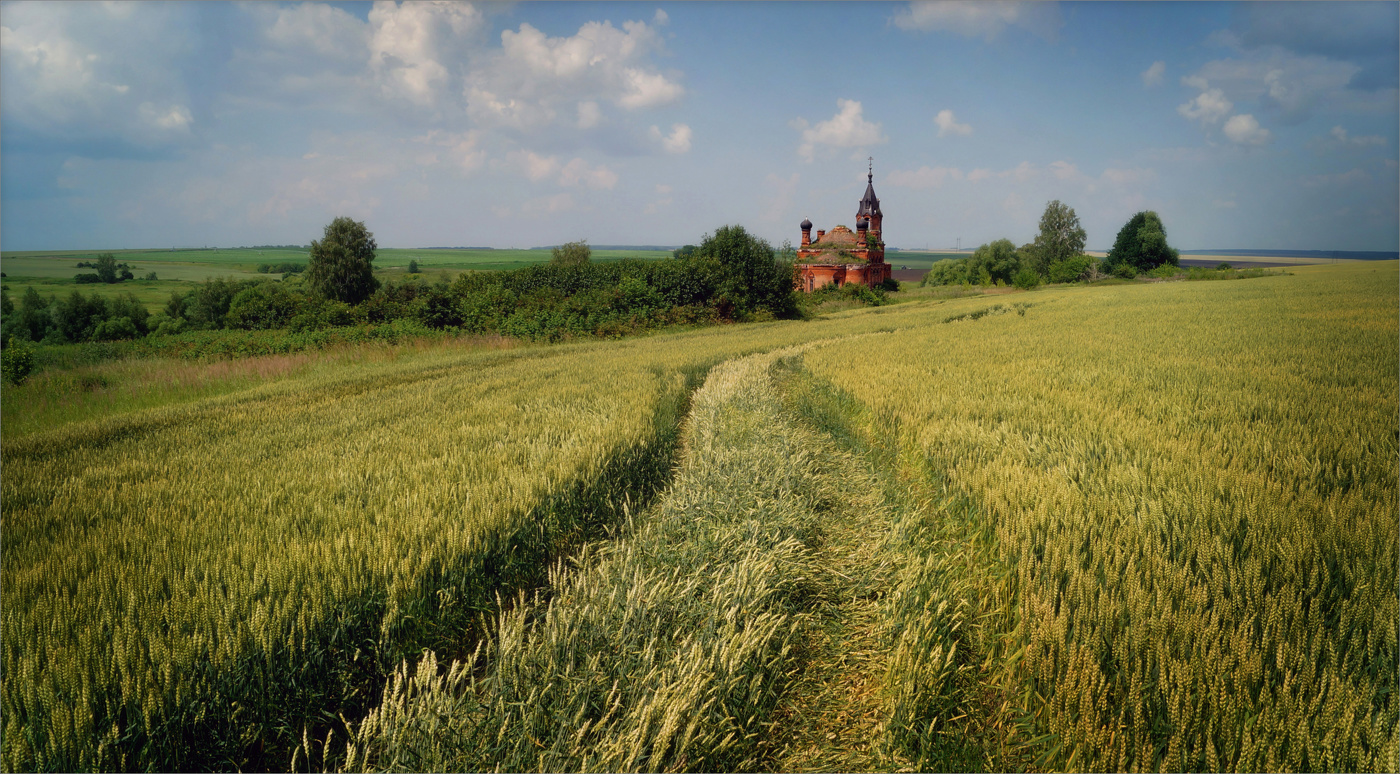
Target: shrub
{"x": 994, "y": 262}
{"x": 413, "y": 267}
{"x": 1026, "y": 278}
{"x": 1164, "y": 271}
{"x": 17, "y": 361}
{"x": 890, "y": 285}
{"x": 1224, "y": 266}
{"x": 949, "y": 271}
{"x": 1071, "y": 269}
{"x": 571, "y": 254}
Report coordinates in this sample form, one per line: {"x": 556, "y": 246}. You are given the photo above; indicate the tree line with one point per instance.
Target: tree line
{"x": 1057, "y": 254}
{"x": 731, "y": 275}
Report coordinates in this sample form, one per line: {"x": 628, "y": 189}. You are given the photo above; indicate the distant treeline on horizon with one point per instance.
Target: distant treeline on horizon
{"x": 1351, "y": 255}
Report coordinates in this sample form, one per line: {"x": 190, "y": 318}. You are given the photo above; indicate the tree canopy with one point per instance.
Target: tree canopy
{"x": 341, "y": 267}
{"x": 1142, "y": 244}
{"x": 1060, "y": 238}
{"x": 572, "y": 254}
{"x": 993, "y": 262}
{"x": 747, "y": 271}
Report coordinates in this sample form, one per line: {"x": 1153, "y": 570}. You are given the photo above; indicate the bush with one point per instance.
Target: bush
{"x": 1026, "y": 278}
{"x": 571, "y": 254}
{"x": 890, "y": 285}
{"x": 17, "y": 361}
{"x": 1164, "y": 271}
{"x": 413, "y": 267}
{"x": 949, "y": 271}
{"x": 1071, "y": 269}
{"x": 1224, "y": 266}
{"x": 994, "y": 262}
{"x": 748, "y": 275}
{"x": 1125, "y": 270}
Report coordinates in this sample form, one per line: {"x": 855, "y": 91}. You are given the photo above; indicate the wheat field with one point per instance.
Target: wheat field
{"x": 1146, "y": 526}
{"x": 1192, "y": 492}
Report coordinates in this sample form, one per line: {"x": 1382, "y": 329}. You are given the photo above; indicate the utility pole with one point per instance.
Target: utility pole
{"x": 959, "y": 244}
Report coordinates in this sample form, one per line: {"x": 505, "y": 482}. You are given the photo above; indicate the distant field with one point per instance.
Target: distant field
{"x": 52, "y": 271}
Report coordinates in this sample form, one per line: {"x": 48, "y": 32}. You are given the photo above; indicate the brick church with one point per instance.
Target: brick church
{"x": 841, "y": 256}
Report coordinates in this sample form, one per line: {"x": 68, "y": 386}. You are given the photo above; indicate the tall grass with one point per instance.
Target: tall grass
{"x": 193, "y": 584}
{"x": 1194, "y": 490}
{"x": 666, "y": 650}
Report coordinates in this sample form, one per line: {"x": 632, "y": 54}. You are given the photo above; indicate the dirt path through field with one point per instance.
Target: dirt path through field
{"x": 830, "y": 719}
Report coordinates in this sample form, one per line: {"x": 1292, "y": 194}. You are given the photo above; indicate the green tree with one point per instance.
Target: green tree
{"x": 1141, "y": 245}
{"x": 413, "y": 267}
{"x": 748, "y": 275}
{"x": 342, "y": 263}
{"x": 17, "y": 361}
{"x": 106, "y": 268}
{"x": 994, "y": 262}
{"x": 572, "y": 254}
{"x": 682, "y": 253}
{"x": 949, "y": 271}
{"x": 1060, "y": 237}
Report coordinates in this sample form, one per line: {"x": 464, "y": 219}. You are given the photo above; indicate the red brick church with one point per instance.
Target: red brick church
{"x": 841, "y": 256}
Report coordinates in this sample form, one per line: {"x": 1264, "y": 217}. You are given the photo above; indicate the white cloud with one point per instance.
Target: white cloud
{"x": 1208, "y": 107}
{"x": 1364, "y": 141}
{"x": 1289, "y": 86}
{"x": 80, "y": 72}
{"x": 1152, "y": 76}
{"x": 947, "y": 124}
{"x": 978, "y": 175}
{"x": 525, "y": 83}
{"x": 534, "y": 166}
{"x": 846, "y": 129}
{"x": 171, "y": 118}
{"x": 415, "y": 46}
{"x": 925, "y": 177}
{"x": 534, "y": 209}
{"x": 985, "y": 20}
{"x": 1063, "y": 170}
{"x": 678, "y": 141}
{"x": 578, "y": 173}
{"x": 1245, "y": 130}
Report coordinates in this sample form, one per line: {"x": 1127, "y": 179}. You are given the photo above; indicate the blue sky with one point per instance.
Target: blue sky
{"x": 1245, "y": 125}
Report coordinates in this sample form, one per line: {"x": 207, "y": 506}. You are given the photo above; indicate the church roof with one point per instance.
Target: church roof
{"x": 870, "y": 203}
{"x": 835, "y": 239}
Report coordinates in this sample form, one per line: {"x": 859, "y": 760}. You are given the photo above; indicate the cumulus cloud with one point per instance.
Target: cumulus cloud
{"x": 1152, "y": 76}
{"x": 985, "y": 20}
{"x": 947, "y": 124}
{"x": 1339, "y": 134}
{"x": 579, "y": 173}
{"x": 847, "y": 129}
{"x": 1208, "y": 107}
{"x": 678, "y": 141}
{"x": 1285, "y": 85}
{"x": 103, "y": 74}
{"x": 1245, "y": 130}
{"x": 415, "y": 46}
{"x": 525, "y": 84}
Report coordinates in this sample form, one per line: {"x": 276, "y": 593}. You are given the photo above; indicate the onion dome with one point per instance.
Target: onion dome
{"x": 862, "y": 224}
{"x": 806, "y": 225}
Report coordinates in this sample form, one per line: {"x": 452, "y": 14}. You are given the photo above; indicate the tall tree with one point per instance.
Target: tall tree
{"x": 1142, "y": 244}
{"x": 341, "y": 267}
{"x": 571, "y": 254}
{"x": 1060, "y": 237}
{"x": 993, "y": 262}
{"x": 748, "y": 273}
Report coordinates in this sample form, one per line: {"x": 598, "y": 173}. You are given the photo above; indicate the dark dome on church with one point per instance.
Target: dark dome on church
{"x": 806, "y": 225}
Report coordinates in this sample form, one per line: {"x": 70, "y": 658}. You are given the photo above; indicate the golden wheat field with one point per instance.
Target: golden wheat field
{"x": 1194, "y": 490}
{"x": 1148, "y": 526}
